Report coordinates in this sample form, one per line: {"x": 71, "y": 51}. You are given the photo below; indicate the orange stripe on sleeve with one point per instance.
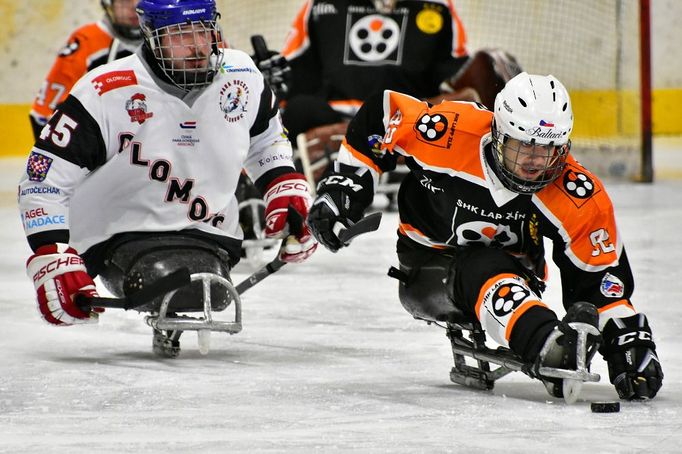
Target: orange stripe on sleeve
{"x": 459, "y": 38}
{"x": 613, "y": 305}
{"x": 361, "y": 157}
{"x": 419, "y": 236}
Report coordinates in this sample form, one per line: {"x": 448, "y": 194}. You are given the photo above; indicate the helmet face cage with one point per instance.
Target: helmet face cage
{"x": 511, "y": 155}
{"x": 184, "y": 37}
{"x": 532, "y": 123}
{"x": 188, "y": 52}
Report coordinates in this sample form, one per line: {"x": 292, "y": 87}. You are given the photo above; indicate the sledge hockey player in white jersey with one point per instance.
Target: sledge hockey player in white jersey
{"x": 135, "y": 173}
{"x": 484, "y": 189}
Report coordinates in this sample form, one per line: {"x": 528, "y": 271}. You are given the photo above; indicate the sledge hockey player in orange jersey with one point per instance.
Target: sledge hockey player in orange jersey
{"x": 116, "y": 35}
{"x": 483, "y": 191}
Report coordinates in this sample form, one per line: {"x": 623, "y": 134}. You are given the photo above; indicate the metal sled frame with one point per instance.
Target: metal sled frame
{"x": 161, "y": 321}
{"x": 482, "y": 376}
{"x": 254, "y": 247}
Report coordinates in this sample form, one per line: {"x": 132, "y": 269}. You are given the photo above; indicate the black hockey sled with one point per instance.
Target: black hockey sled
{"x": 181, "y": 301}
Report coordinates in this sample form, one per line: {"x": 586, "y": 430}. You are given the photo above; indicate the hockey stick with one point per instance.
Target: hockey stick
{"x": 173, "y": 281}
{"x": 260, "y": 48}
{"x": 295, "y": 221}
{"x": 367, "y": 224}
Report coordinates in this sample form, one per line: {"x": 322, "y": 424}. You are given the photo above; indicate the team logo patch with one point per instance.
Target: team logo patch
{"x": 508, "y": 297}
{"x": 429, "y": 21}
{"x": 431, "y": 127}
{"x": 372, "y": 39}
{"x": 234, "y": 100}
{"x": 375, "y": 142}
{"x": 437, "y": 128}
{"x": 113, "y": 80}
{"x": 38, "y": 166}
{"x": 612, "y": 287}
{"x": 533, "y": 225}
{"x": 578, "y": 184}
{"x": 137, "y": 108}
{"x": 480, "y": 233}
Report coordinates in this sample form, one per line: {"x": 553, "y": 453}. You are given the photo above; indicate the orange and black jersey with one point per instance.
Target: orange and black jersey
{"x": 88, "y": 47}
{"x": 345, "y": 50}
{"x": 452, "y": 197}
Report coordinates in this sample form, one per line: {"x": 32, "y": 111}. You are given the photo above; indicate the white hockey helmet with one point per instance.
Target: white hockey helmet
{"x": 536, "y": 111}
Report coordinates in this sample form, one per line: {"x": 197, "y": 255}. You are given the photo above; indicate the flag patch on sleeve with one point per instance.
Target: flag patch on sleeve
{"x": 112, "y": 80}
{"x": 612, "y": 287}
{"x": 37, "y": 166}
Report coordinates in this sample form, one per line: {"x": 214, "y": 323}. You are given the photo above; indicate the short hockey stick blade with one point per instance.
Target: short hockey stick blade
{"x": 369, "y": 223}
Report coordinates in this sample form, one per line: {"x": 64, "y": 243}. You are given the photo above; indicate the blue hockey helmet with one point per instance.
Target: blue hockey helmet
{"x": 155, "y": 14}
{"x": 184, "y": 37}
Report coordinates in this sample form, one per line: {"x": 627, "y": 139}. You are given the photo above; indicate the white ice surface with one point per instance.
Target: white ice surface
{"x": 328, "y": 361}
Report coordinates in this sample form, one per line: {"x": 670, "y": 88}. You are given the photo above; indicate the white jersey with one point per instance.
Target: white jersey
{"x": 127, "y": 152}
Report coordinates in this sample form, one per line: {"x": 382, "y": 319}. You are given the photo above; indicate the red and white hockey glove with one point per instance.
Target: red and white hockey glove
{"x": 287, "y": 200}
{"x": 59, "y": 274}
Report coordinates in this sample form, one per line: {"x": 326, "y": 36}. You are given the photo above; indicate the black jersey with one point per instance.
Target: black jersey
{"x": 345, "y": 50}
{"x": 452, "y": 197}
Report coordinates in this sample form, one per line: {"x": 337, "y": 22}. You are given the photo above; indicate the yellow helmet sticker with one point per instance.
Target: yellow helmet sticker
{"x": 429, "y": 21}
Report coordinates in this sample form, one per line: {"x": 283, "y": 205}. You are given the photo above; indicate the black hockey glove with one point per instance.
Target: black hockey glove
{"x": 341, "y": 200}
{"x": 276, "y": 71}
{"x": 274, "y": 67}
{"x": 630, "y": 352}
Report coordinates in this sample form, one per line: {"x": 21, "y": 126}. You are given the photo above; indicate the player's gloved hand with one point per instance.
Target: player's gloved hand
{"x": 630, "y": 352}
{"x": 341, "y": 200}
{"x": 273, "y": 65}
{"x": 287, "y": 200}
{"x": 59, "y": 274}
{"x": 276, "y": 71}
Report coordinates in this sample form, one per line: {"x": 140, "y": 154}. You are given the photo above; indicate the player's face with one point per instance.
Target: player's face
{"x": 384, "y": 6}
{"x": 187, "y": 46}
{"x": 528, "y": 161}
{"x": 124, "y": 13}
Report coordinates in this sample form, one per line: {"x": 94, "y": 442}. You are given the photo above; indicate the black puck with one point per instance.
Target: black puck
{"x": 605, "y": 407}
